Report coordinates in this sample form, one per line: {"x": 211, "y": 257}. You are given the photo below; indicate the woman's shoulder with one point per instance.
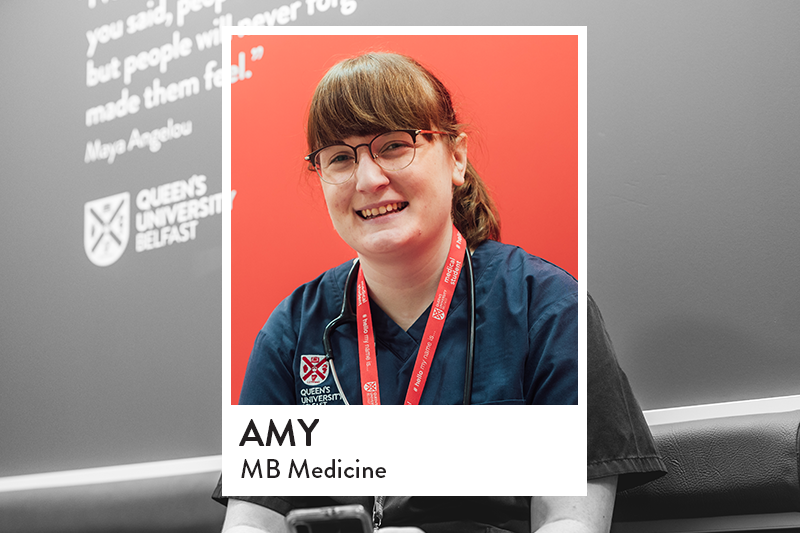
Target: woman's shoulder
{"x": 522, "y": 280}
{"x": 321, "y": 295}
{"x": 506, "y": 260}
{"x": 331, "y": 279}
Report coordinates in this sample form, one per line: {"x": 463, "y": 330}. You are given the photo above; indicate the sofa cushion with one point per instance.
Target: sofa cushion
{"x": 726, "y": 466}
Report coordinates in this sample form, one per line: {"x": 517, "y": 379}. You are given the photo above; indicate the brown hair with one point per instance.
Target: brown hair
{"x": 376, "y": 92}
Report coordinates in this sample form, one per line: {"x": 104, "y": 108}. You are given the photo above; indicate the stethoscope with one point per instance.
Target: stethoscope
{"x": 347, "y": 315}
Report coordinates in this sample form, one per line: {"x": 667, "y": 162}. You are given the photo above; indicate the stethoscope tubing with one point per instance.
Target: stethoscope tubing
{"x": 345, "y": 315}
{"x": 471, "y": 339}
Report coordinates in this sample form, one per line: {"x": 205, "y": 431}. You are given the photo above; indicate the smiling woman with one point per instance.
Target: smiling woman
{"x": 392, "y": 160}
{"x": 412, "y": 326}
{"x": 522, "y": 136}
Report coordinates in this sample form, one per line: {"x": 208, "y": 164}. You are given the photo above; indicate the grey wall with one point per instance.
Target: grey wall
{"x": 693, "y": 186}
{"x": 694, "y": 182}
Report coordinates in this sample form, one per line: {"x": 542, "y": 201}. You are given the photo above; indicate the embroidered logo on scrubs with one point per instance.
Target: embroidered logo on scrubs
{"x": 313, "y": 369}
{"x": 371, "y": 386}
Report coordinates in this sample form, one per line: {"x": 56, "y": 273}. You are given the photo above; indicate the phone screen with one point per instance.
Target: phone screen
{"x": 336, "y": 519}
{"x": 336, "y": 525}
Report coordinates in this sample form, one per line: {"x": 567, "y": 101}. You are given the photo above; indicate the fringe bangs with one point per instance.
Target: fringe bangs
{"x": 370, "y": 94}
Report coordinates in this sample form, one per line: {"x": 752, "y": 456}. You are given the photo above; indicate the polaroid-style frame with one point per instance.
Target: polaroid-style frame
{"x": 522, "y": 93}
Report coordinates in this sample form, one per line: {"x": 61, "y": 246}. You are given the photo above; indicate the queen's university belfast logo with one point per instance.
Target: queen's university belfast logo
{"x": 106, "y": 228}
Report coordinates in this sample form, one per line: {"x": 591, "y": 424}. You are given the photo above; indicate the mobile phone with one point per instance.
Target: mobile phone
{"x": 335, "y": 519}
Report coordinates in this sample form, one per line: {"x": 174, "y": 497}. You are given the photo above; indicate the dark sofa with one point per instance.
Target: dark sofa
{"x": 727, "y": 474}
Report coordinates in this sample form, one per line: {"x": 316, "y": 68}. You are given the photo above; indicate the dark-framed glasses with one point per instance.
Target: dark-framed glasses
{"x": 393, "y": 150}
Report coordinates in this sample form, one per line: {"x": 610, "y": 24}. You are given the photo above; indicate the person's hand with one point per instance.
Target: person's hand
{"x": 576, "y": 514}
{"x": 246, "y": 517}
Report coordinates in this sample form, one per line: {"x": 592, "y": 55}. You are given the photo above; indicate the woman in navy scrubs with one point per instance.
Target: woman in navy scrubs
{"x": 392, "y": 161}
{"x": 393, "y": 166}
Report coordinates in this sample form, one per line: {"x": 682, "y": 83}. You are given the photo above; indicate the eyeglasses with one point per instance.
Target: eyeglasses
{"x": 393, "y": 150}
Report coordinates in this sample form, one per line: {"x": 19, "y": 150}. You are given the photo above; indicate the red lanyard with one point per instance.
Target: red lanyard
{"x": 370, "y": 391}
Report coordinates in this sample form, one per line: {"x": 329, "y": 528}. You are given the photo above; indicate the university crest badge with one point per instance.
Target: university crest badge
{"x": 106, "y": 228}
{"x": 313, "y": 369}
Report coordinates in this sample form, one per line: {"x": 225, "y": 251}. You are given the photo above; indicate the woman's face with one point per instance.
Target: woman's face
{"x": 416, "y": 200}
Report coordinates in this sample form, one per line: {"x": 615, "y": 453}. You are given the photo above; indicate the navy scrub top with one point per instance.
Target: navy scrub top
{"x": 526, "y": 347}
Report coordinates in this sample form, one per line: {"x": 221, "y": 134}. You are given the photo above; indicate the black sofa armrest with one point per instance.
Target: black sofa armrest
{"x": 741, "y": 465}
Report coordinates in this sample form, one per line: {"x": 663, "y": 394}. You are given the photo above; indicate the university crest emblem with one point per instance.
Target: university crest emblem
{"x": 313, "y": 369}
{"x": 106, "y": 228}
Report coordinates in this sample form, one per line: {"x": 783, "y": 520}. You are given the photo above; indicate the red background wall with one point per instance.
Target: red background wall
{"x": 517, "y": 94}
